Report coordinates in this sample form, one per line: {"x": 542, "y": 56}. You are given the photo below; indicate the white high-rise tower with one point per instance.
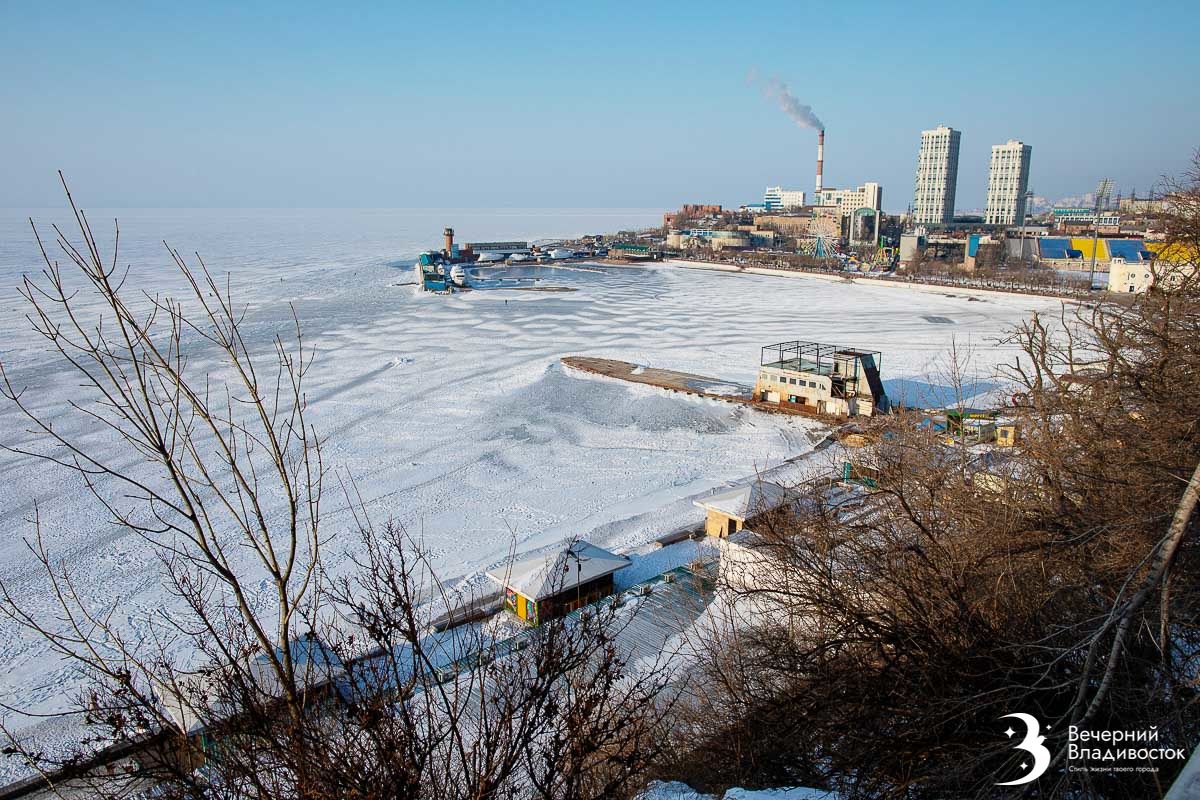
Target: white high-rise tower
{"x": 937, "y": 176}
{"x": 1008, "y": 183}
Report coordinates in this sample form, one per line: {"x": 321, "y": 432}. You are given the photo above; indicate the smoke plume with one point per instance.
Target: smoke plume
{"x": 801, "y": 114}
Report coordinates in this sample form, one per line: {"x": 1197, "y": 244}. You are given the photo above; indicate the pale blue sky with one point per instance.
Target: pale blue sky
{"x": 576, "y": 104}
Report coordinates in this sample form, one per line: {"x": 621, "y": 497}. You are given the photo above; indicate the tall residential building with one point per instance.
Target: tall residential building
{"x": 776, "y": 198}
{"x": 937, "y": 176}
{"x": 1008, "y": 181}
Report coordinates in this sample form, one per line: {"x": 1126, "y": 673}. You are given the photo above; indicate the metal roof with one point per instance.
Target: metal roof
{"x": 809, "y": 350}
{"x": 743, "y": 502}
{"x": 553, "y": 573}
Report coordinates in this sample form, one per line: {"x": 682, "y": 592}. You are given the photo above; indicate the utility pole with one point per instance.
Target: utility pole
{"x": 1026, "y": 210}
{"x": 1102, "y": 192}
{"x": 571, "y": 554}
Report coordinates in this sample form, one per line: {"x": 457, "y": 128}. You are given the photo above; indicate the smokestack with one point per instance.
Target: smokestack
{"x": 449, "y": 234}
{"x": 820, "y": 156}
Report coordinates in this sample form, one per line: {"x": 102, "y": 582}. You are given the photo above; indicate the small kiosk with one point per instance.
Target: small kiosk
{"x": 552, "y": 585}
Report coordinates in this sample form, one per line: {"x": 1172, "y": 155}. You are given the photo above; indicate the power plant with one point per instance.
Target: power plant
{"x": 855, "y": 212}
{"x": 820, "y": 156}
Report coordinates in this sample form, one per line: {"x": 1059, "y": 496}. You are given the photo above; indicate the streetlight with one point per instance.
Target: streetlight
{"x": 1026, "y": 212}
{"x": 578, "y": 573}
{"x": 1103, "y": 190}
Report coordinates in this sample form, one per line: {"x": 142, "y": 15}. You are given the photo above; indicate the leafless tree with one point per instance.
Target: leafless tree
{"x": 1056, "y": 578}
{"x": 321, "y": 686}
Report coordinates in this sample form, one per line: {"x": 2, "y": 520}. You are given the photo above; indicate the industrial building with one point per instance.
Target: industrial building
{"x": 549, "y": 586}
{"x": 821, "y": 378}
{"x": 856, "y": 213}
{"x": 937, "y": 176}
{"x": 1008, "y": 183}
{"x": 859, "y": 210}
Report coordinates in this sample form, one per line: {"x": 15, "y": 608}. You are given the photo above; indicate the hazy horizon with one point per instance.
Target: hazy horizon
{"x": 478, "y": 106}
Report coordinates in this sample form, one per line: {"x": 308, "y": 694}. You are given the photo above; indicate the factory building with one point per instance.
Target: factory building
{"x": 937, "y": 176}
{"x": 821, "y": 378}
{"x": 1008, "y": 183}
{"x": 854, "y": 213}
{"x": 776, "y": 198}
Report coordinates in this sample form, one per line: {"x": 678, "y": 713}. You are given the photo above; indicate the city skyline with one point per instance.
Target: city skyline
{"x": 470, "y": 106}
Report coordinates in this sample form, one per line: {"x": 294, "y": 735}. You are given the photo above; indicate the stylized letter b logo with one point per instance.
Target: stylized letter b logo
{"x": 1032, "y": 744}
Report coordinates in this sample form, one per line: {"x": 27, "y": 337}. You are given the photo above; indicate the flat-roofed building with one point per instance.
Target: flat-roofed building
{"x": 1069, "y": 220}
{"x": 776, "y": 198}
{"x": 848, "y": 201}
{"x": 821, "y": 378}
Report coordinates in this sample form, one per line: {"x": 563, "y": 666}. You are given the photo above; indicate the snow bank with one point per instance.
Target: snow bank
{"x": 679, "y": 791}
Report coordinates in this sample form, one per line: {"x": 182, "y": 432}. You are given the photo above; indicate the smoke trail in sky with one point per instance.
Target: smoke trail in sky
{"x": 801, "y": 114}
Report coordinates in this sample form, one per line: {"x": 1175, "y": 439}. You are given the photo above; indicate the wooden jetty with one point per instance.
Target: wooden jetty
{"x": 685, "y": 382}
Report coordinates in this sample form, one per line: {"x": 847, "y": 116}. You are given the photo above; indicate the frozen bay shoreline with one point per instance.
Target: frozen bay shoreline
{"x": 455, "y": 418}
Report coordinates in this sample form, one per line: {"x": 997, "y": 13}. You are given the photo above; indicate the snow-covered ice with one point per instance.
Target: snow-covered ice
{"x": 452, "y": 413}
